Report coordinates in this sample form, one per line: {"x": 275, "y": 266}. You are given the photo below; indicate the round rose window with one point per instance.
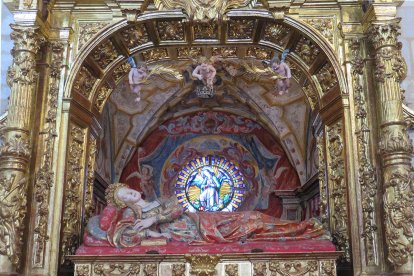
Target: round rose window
{"x": 210, "y": 184}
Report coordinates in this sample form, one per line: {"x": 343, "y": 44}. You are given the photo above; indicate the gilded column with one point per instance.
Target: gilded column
{"x": 395, "y": 146}
{"x": 15, "y": 150}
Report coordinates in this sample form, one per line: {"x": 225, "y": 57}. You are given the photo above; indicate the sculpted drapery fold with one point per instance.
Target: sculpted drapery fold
{"x": 15, "y": 152}
{"x": 395, "y": 146}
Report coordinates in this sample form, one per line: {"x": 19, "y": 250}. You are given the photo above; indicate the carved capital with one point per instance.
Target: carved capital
{"x": 15, "y": 146}
{"x": 395, "y": 140}
{"x": 384, "y": 34}
{"x": 26, "y": 38}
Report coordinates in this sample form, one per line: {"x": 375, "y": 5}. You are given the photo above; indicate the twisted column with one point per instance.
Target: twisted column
{"x": 15, "y": 150}
{"x": 395, "y": 146}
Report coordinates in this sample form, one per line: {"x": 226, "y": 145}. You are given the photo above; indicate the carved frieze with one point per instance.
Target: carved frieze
{"x": 170, "y": 30}
{"x": 84, "y": 82}
{"x": 72, "y": 191}
{"x": 206, "y": 30}
{"x": 87, "y": 31}
{"x": 135, "y": 35}
{"x": 327, "y": 78}
{"x": 294, "y": 267}
{"x": 259, "y": 53}
{"x": 104, "y": 269}
{"x": 275, "y": 33}
{"x": 241, "y": 29}
{"x": 155, "y": 54}
{"x": 203, "y": 264}
{"x": 324, "y": 25}
{"x": 338, "y": 189}
{"x": 307, "y": 50}
{"x": 225, "y": 52}
{"x": 104, "y": 54}
{"x": 189, "y": 52}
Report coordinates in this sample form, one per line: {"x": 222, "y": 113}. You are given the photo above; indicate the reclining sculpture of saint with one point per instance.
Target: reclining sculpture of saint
{"x": 129, "y": 219}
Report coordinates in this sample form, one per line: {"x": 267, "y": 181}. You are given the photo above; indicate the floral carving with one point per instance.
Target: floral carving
{"x": 189, "y": 52}
{"x": 275, "y": 33}
{"x": 323, "y": 25}
{"x": 178, "y": 269}
{"x": 88, "y": 199}
{"x": 294, "y": 268}
{"x": 12, "y": 212}
{"x": 104, "y": 54}
{"x": 72, "y": 208}
{"x": 311, "y": 95}
{"x": 84, "y": 82}
{"x": 82, "y": 270}
{"x": 259, "y": 53}
{"x": 45, "y": 176}
{"x": 307, "y": 50}
{"x": 328, "y": 268}
{"x": 339, "y": 205}
{"x": 395, "y": 140}
{"x": 135, "y": 36}
{"x": 203, "y": 264}
{"x": 150, "y": 270}
{"x": 225, "y": 52}
{"x": 241, "y": 29}
{"x": 121, "y": 71}
{"x": 87, "y": 31}
{"x": 232, "y": 269}
{"x": 17, "y": 146}
{"x": 327, "y": 78}
{"x": 171, "y": 30}
{"x": 102, "y": 95}
{"x": 206, "y": 30}
{"x": 155, "y": 54}
{"x": 323, "y": 187}
{"x": 117, "y": 269}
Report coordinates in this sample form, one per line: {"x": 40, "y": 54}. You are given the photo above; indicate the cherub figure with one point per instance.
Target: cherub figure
{"x": 205, "y": 72}
{"x": 281, "y": 68}
{"x": 136, "y": 77}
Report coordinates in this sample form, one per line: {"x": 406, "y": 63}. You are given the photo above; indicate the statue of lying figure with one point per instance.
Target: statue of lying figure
{"x": 128, "y": 219}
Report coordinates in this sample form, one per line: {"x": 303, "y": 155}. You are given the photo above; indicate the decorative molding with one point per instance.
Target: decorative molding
{"x": 307, "y": 50}
{"x": 84, "y": 82}
{"x": 203, "y": 264}
{"x": 171, "y": 30}
{"x": 338, "y": 190}
{"x": 104, "y": 269}
{"x": 135, "y": 35}
{"x": 87, "y": 31}
{"x": 150, "y": 270}
{"x": 206, "y": 30}
{"x": 323, "y": 187}
{"x": 88, "y": 200}
{"x": 82, "y": 270}
{"x": 324, "y": 25}
{"x": 178, "y": 270}
{"x": 71, "y": 220}
{"x": 275, "y": 32}
{"x": 259, "y": 269}
{"x": 294, "y": 268}
{"x": 155, "y": 54}
{"x": 190, "y": 52}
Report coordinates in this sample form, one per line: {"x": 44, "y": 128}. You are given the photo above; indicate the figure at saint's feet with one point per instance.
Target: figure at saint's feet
{"x": 129, "y": 219}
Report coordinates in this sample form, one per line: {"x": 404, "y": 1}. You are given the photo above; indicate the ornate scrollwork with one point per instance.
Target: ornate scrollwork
{"x": 12, "y": 212}
{"x": 189, "y": 52}
{"x": 307, "y": 50}
{"x": 323, "y": 187}
{"x": 87, "y": 31}
{"x": 101, "y": 96}
{"x": 135, "y": 36}
{"x": 155, "y": 54}
{"x": 104, "y": 54}
{"x": 327, "y": 78}
{"x": 74, "y": 172}
{"x": 328, "y": 268}
{"x": 120, "y": 71}
{"x": 45, "y": 176}
{"x": 201, "y": 10}
{"x": 294, "y": 268}
{"x": 88, "y": 201}
{"x": 206, "y": 31}
{"x": 241, "y": 29}
{"x": 323, "y": 25}
{"x": 17, "y": 146}
{"x": 259, "y": 269}
{"x": 171, "y": 30}
{"x": 276, "y": 32}
{"x": 225, "y": 52}
{"x": 231, "y": 269}
{"x": 259, "y": 53}
{"x": 84, "y": 82}
{"x": 150, "y": 270}
{"x": 366, "y": 171}
{"x": 311, "y": 95}
{"x": 82, "y": 270}
{"x": 339, "y": 205}
{"x": 203, "y": 264}
{"x": 178, "y": 269}
{"x": 117, "y": 269}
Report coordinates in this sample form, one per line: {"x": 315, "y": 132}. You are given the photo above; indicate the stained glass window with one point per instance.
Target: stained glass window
{"x": 210, "y": 184}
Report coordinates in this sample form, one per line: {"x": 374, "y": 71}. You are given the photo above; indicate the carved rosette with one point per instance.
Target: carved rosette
{"x": 44, "y": 179}
{"x": 71, "y": 220}
{"x": 15, "y": 150}
{"x": 366, "y": 170}
{"x": 203, "y": 264}
{"x": 338, "y": 190}
{"x": 395, "y": 147}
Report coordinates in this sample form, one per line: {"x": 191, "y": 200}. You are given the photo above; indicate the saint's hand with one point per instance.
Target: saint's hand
{"x": 144, "y": 224}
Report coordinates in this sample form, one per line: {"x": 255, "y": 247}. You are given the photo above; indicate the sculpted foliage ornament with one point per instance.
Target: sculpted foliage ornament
{"x": 105, "y": 54}
{"x": 232, "y": 269}
{"x": 84, "y": 82}
{"x": 87, "y": 31}
{"x": 116, "y": 269}
{"x": 203, "y": 264}
{"x": 323, "y": 25}
{"x": 276, "y": 32}
{"x": 17, "y": 146}
{"x": 241, "y": 29}
{"x": 206, "y": 30}
{"x": 171, "y": 30}
{"x": 327, "y": 78}
{"x": 294, "y": 268}
{"x": 201, "y": 10}
{"x": 135, "y": 35}
{"x": 178, "y": 269}
{"x": 259, "y": 269}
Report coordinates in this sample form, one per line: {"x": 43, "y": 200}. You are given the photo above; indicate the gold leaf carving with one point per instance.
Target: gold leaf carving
{"x": 339, "y": 205}
{"x": 88, "y": 201}
{"x": 259, "y": 269}
{"x": 150, "y": 270}
{"x": 16, "y": 146}
{"x": 307, "y": 50}
{"x": 84, "y": 82}
{"x": 294, "y": 268}
{"x": 328, "y": 268}
{"x": 178, "y": 269}
{"x": 323, "y": 187}
{"x": 259, "y": 53}
{"x": 82, "y": 270}
{"x": 241, "y": 29}
{"x": 275, "y": 33}
{"x": 189, "y": 52}
{"x": 135, "y": 36}
{"x": 225, "y": 52}
{"x": 121, "y": 71}
{"x": 201, "y": 10}
{"x": 171, "y": 30}
{"x": 73, "y": 189}
{"x": 117, "y": 269}
{"x": 155, "y": 54}
{"x": 327, "y": 78}
{"x": 203, "y": 264}
{"x": 104, "y": 54}
{"x": 311, "y": 95}
{"x": 103, "y": 94}
{"x": 206, "y": 30}
{"x": 232, "y": 269}
{"x": 324, "y": 26}
{"x": 87, "y": 31}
